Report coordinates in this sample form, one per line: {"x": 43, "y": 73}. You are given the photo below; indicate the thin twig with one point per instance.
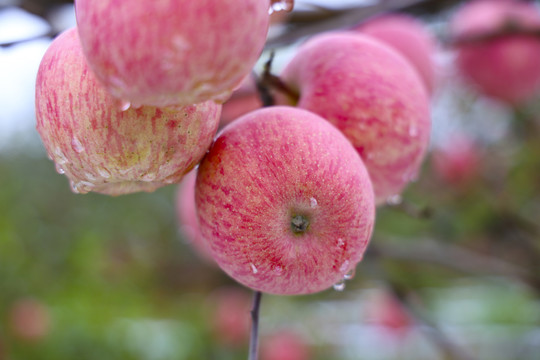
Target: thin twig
{"x": 254, "y": 339}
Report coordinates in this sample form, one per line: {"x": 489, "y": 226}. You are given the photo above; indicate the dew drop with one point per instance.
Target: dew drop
{"x": 60, "y": 157}
{"x": 394, "y": 200}
{"x": 340, "y": 243}
{"x": 313, "y": 203}
{"x": 124, "y": 105}
{"x": 278, "y": 270}
{"x": 345, "y": 266}
{"x": 340, "y": 285}
{"x": 76, "y": 145}
{"x": 253, "y": 268}
{"x": 59, "y": 169}
{"x": 280, "y": 5}
{"x": 74, "y": 187}
{"x": 350, "y": 274}
{"x": 104, "y": 173}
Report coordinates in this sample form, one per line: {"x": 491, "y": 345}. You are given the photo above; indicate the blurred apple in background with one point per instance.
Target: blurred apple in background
{"x": 284, "y": 345}
{"x": 29, "y": 319}
{"x": 243, "y": 100}
{"x": 411, "y": 38}
{"x": 384, "y": 310}
{"x": 497, "y": 49}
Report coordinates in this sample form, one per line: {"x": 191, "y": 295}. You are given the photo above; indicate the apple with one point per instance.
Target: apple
{"x": 172, "y": 52}
{"x": 495, "y": 53}
{"x": 410, "y": 38}
{"x": 284, "y": 201}
{"x": 285, "y": 345}
{"x": 29, "y": 319}
{"x": 186, "y": 214}
{"x": 384, "y": 310}
{"x": 230, "y": 318}
{"x": 457, "y": 162}
{"x": 373, "y": 95}
{"x": 98, "y": 144}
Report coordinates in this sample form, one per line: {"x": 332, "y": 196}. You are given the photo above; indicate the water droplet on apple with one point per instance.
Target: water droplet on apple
{"x": 59, "y": 169}
{"x": 313, "y": 203}
{"x": 340, "y": 243}
{"x": 60, "y": 157}
{"x": 125, "y": 105}
{"x": 280, "y": 5}
{"x": 394, "y": 200}
{"x": 278, "y": 270}
{"x": 76, "y": 145}
{"x": 104, "y": 173}
{"x": 345, "y": 266}
{"x": 74, "y": 187}
{"x": 350, "y": 274}
{"x": 340, "y": 285}
{"x": 253, "y": 268}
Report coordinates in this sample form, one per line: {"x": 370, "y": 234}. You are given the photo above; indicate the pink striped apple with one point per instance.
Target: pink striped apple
{"x": 410, "y": 38}
{"x": 373, "y": 95}
{"x": 172, "y": 52}
{"x": 284, "y": 201}
{"x": 495, "y": 53}
{"x": 102, "y": 147}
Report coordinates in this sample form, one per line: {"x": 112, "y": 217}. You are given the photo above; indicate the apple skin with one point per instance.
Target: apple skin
{"x": 104, "y": 149}
{"x": 373, "y": 95}
{"x": 410, "y": 38}
{"x": 186, "y": 215}
{"x": 172, "y": 52}
{"x": 285, "y": 345}
{"x": 263, "y": 170}
{"x": 513, "y": 58}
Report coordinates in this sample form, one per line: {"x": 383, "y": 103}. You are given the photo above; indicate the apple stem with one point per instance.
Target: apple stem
{"x": 254, "y": 339}
{"x": 268, "y": 82}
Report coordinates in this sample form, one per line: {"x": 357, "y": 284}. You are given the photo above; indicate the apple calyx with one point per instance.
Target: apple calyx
{"x": 299, "y": 224}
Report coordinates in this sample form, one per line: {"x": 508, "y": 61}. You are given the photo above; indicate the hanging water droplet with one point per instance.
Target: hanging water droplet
{"x": 76, "y": 145}
{"x": 340, "y": 285}
{"x": 280, "y": 5}
{"x": 394, "y": 200}
{"x": 59, "y": 156}
{"x": 350, "y": 274}
{"x": 59, "y": 169}
{"x": 125, "y": 105}
{"x": 313, "y": 203}
{"x": 74, "y": 187}
{"x": 345, "y": 266}
{"x": 253, "y": 268}
{"x": 104, "y": 173}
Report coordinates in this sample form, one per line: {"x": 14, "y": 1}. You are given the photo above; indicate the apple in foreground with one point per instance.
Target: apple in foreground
{"x": 172, "y": 52}
{"x": 284, "y": 201}
{"x": 410, "y": 38}
{"x": 373, "y": 95}
{"x": 103, "y": 147}
{"x": 502, "y": 65}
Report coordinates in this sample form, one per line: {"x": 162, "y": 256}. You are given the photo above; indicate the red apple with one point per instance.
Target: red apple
{"x": 230, "y": 315}
{"x": 457, "y": 162}
{"x": 104, "y": 148}
{"x": 284, "y": 201}
{"x": 186, "y": 214}
{"x": 373, "y": 95}
{"x": 172, "y": 52}
{"x": 29, "y": 320}
{"x": 502, "y": 66}
{"x": 383, "y": 309}
{"x": 285, "y": 345}
{"x": 410, "y": 38}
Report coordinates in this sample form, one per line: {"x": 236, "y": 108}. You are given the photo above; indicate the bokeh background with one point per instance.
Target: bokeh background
{"x": 453, "y": 271}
